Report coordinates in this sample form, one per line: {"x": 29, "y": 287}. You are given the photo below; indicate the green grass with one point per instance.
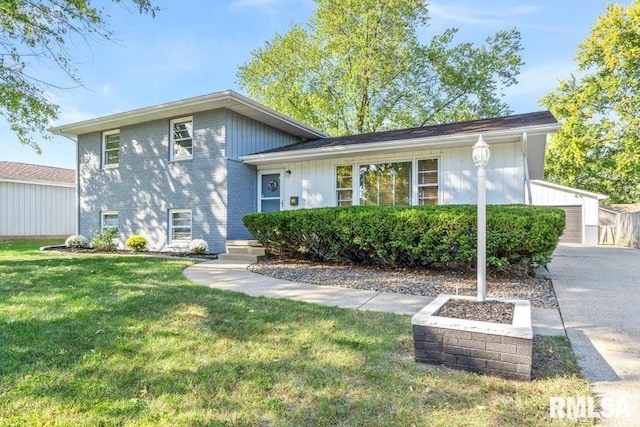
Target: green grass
{"x": 126, "y": 340}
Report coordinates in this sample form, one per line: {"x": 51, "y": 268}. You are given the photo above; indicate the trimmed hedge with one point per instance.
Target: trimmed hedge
{"x": 425, "y": 236}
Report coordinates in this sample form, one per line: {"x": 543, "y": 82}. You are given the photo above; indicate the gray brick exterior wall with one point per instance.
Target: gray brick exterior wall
{"x": 507, "y": 357}
{"x": 146, "y": 184}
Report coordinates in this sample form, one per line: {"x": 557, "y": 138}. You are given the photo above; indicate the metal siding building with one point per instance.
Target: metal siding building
{"x": 36, "y": 200}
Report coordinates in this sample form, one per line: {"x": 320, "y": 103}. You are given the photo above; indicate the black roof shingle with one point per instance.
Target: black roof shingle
{"x": 472, "y": 126}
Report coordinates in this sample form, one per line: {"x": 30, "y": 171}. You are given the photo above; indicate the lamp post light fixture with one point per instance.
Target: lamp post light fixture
{"x": 481, "y": 154}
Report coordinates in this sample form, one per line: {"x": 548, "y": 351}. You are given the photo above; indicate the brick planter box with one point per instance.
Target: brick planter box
{"x": 490, "y": 348}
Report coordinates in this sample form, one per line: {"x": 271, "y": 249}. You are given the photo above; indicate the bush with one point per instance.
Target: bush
{"x": 425, "y": 236}
{"x": 77, "y": 241}
{"x": 137, "y": 242}
{"x": 105, "y": 240}
{"x": 198, "y": 246}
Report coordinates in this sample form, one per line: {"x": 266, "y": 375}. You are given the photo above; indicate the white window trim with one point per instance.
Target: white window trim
{"x": 335, "y": 182}
{"x": 104, "y": 149}
{"x": 170, "y": 230}
{"x": 105, "y": 213}
{"x": 172, "y": 155}
{"x": 414, "y": 177}
{"x": 439, "y": 177}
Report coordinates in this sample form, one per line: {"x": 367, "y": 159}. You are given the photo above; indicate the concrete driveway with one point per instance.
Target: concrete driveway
{"x": 598, "y": 290}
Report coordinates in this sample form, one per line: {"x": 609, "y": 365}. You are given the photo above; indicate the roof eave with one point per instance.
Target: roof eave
{"x": 38, "y": 182}
{"x": 225, "y": 99}
{"x": 440, "y": 141}
{"x": 571, "y": 189}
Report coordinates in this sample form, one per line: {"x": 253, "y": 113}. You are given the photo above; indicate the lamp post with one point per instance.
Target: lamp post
{"x": 481, "y": 154}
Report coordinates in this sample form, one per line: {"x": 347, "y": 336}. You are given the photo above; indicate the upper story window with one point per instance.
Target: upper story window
{"x": 344, "y": 185}
{"x": 111, "y": 148}
{"x": 385, "y": 184}
{"x": 109, "y": 219}
{"x": 428, "y": 182}
{"x": 182, "y": 138}
{"x": 179, "y": 225}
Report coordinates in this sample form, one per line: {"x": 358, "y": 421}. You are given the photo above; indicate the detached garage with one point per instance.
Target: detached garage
{"x": 36, "y": 200}
{"x": 581, "y": 208}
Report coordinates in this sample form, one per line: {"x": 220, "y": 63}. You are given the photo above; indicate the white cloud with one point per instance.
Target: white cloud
{"x": 105, "y": 89}
{"x": 534, "y": 82}
{"x": 253, "y": 3}
{"x": 493, "y": 14}
{"x": 71, "y": 114}
{"x": 473, "y": 13}
{"x": 538, "y": 80}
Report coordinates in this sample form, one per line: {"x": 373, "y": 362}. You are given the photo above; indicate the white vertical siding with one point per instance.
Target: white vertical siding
{"x": 36, "y": 210}
{"x": 313, "y": 181}
{"x": 543, "y": 194}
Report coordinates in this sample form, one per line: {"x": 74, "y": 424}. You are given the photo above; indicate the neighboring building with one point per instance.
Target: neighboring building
{"x": 580, "y": 207}
{"x": 192, "y": 168}
{"x": 36, "y": 200}
{"x": 620, "y": 225}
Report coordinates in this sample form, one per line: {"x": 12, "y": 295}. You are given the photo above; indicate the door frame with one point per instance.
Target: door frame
{"x": 280, "y": 173}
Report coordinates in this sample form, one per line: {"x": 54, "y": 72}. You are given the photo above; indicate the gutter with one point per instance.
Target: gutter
{"x": 417, "y": 143}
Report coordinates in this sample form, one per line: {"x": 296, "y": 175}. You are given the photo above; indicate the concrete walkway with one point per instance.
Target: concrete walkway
{"x": 234, "y": 276}
{"x": 598, "y": 290}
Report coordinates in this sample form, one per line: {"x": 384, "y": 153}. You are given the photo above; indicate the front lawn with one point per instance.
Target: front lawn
{"x": 126, "y": 340}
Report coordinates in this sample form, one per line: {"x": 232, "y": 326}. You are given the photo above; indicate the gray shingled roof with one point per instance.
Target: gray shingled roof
{"x": 28, "y": 172}
{"x": 472, "y": 126}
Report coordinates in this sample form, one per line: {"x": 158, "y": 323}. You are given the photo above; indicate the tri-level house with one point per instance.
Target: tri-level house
{"x": 191, "y": 169}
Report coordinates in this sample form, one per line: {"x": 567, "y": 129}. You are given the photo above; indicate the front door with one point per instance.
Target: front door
{"x": 269, "y": 192}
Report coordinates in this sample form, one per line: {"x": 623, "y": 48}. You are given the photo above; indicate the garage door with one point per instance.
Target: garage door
{"x": 573, "y": 227}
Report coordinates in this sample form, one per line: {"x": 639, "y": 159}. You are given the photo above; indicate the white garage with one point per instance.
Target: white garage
{"x": 36, "y": 200}
{"x": 581, "y": 208}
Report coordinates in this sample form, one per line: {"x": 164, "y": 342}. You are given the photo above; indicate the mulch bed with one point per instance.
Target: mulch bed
{"x": 410, "y": 281}
{"x": 123, "y": 252}
{"x": 486, "y": 311}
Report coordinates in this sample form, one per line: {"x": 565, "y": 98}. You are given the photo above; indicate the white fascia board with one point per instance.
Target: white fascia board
{"x": 37, "y": 182}
{"x": 225, "y": 99}
{"x": 568, "y": 189}
{"x": 445, "y": 141}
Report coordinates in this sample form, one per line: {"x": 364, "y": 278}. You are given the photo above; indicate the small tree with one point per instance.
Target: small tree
{"x": 105, "y": 240}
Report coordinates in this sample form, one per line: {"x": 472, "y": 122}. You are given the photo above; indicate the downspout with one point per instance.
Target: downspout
{"x": 77, "y": 181}
{"x": 527, "y": 182}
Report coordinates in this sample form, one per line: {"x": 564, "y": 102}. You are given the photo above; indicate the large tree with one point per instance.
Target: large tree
{"x": 598, "y": 146}
{"x": 35, "y": 33}
{"x": 359, "y": 66}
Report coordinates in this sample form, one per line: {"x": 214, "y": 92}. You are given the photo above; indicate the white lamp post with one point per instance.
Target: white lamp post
{"x": 481, "y": 154}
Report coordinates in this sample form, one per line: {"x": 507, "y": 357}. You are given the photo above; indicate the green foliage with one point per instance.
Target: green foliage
{"x": 357, "y": 66}
{"x": 198, "y": 247}
{"x": 137, "y": 242}
{"x": 598, "y": 146}
{"x": 33, "y": 32}
{"x": 427, "y": 236}
{"x": 105, "y": 240}
{"x": 77, "y": 241}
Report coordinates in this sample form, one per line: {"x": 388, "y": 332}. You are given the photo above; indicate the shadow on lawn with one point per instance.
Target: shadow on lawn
{"x": 126, "y": 338}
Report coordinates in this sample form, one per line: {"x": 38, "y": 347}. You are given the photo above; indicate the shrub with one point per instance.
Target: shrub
{"x": 105, "y": 240}
{"x": 137, "y": 242}
{"x": 198, "y": 246}
{"x": 425, "y": 236}
{"x": 77, "y": 241}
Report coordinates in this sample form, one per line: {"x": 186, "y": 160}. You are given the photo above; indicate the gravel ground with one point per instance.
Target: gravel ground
{"x": 409, "y": 281}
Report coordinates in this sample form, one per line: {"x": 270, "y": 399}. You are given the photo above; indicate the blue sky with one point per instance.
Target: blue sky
{"x": 194, "y": 47}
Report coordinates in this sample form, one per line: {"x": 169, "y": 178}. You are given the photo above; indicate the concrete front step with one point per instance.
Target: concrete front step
{"x": 239, "y": 257}
{"x": 246, "y": 250}
{"x": 242, "y": 243}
